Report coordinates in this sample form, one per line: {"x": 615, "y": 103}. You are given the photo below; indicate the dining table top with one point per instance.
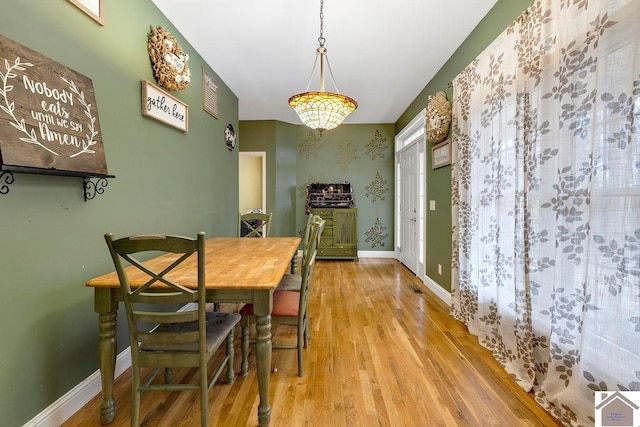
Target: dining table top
{"x": 230, "y": 263}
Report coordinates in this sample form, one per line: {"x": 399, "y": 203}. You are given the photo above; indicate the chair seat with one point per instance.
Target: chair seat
{"x": 218, "y": 327}
{"x": 285, "y": 304}
{"x": 290, "y": 282}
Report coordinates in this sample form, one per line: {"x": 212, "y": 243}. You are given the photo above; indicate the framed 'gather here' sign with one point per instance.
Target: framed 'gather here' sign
{"x": 48, "y": 115}
{"x": 163, "y": 107}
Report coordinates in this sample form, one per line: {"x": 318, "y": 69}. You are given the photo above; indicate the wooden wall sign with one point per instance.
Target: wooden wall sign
{"x": 48, "y": 115}
{"x": 209, "y": 93}
{"x": 163, "y": 107}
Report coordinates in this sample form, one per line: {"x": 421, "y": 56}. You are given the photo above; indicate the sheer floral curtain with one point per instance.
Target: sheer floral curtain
{"x": 546, "y": 201}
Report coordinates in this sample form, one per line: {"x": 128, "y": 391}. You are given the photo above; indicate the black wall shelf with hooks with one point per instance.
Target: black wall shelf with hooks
{"x": 92, "y": 183}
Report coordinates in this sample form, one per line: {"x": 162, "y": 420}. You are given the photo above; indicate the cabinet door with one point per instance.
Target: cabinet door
{"x": 345, "y": 230}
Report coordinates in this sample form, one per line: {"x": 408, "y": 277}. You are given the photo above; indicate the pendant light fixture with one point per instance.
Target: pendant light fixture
{"x": 322, "y": 110}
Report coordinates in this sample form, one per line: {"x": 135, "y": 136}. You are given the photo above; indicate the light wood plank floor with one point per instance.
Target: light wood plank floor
{"x": 383, "y": 352}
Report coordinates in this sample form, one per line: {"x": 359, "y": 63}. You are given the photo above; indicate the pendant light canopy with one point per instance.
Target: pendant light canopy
{"x": 322, "y": 110}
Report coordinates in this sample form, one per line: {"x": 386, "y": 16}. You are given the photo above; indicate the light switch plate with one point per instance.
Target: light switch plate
{"x": 432, "y": 205}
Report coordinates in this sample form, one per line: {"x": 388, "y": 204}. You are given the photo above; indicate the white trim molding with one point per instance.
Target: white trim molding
{"x": 376, "y": 254}
{"x": 63, "y": 408}
{"x": 438, "y": 290}
{"x": 368, "y": 254}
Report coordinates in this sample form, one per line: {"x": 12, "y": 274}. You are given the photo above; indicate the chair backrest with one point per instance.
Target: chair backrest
{"x": 152, "y": 289}
{"x": 307, "y": 265}
{"x": 307, "y": 234}
{"x": 255, "y": 224}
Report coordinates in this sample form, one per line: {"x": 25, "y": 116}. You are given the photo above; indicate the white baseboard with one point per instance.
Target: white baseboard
{"x": 63, "y": 408}
{"x": 376, "y": 254}
{"x": 438, "y": 290}
{"x": 367, "y": 254}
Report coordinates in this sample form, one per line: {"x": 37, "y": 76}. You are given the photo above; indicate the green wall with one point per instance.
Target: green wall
{"x": 359, "y": 154}
{"x": 438, "y": 227}
{"x": 52, "y": 241}
{"x": 278, "y": 140}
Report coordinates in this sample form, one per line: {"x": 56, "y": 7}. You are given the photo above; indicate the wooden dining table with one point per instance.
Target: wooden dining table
{"x": 237, "y": 270}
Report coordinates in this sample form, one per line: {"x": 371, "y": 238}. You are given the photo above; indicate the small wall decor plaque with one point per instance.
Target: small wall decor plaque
{"x": 93, "y": 8}
{"x": 169, "y": 62}
{"x": 230, "y": 137}
{"x": 441, "y": 154}
{"x": 209, "y": 93}
{"x": 163, "y": 107}
{"x": 48, "y": 114}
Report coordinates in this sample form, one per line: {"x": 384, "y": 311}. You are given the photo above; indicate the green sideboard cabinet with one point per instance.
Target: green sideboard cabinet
{"x": 339, "y": 239}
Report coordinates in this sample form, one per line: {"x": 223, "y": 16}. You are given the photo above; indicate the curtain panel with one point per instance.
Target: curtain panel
{"x": 546, "y": 201}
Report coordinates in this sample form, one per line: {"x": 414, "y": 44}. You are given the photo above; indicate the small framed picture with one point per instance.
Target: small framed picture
{"x": 93, "y": 8}
{"x": 209, "y": 92}
{"x": 441, "y": 154}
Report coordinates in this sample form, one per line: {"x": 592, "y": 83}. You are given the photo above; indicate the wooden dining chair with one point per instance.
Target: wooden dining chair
{"x": 291, "y": 281}
{"x": 159, "y": 338}
{"x": 289, "y": 307}
{"x": 255, "y": 224}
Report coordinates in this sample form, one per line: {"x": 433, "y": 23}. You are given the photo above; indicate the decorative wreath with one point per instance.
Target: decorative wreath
{"x": 438, "y": 117}
{"x": 168, "y": 60}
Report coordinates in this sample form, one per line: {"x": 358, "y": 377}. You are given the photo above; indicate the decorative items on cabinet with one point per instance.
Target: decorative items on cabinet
{"x": 335, "y": 204}
{"x": 320, "y": 195}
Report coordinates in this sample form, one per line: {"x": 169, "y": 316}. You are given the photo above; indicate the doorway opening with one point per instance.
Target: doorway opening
{"x": 252, "y": 181}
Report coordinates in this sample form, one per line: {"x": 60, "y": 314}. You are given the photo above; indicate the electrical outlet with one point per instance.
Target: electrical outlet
{"x": 432, "y": 205}
{"x": 440, "y": 269}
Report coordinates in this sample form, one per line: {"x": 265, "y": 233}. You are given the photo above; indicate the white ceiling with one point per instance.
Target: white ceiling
{"x": 382, "y": 52}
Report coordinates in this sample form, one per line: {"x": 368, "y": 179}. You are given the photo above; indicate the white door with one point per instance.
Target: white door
{"x": 409, "y": 207}
{"x": 410, "y": 188}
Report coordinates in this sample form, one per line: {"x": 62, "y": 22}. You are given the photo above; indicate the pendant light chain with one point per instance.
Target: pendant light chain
{"x": 321, "y": 39}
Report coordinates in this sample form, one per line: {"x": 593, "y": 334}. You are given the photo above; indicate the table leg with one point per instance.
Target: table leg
{"x": 107, "y": 321}
{"x": 262, "y": 310}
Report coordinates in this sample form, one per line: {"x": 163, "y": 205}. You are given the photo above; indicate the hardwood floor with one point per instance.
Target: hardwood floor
{"x": 383, "y": 352}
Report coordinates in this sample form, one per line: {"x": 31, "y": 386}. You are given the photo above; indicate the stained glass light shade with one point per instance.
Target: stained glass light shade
{"x": 322, "y": 110}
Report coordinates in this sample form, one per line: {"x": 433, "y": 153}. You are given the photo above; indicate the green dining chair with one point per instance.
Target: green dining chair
{"x": 159, "y": 338}
{"x": 290, "y": 281}
{"x": 289, "y": 307}
{"x": 255, "y": 224}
